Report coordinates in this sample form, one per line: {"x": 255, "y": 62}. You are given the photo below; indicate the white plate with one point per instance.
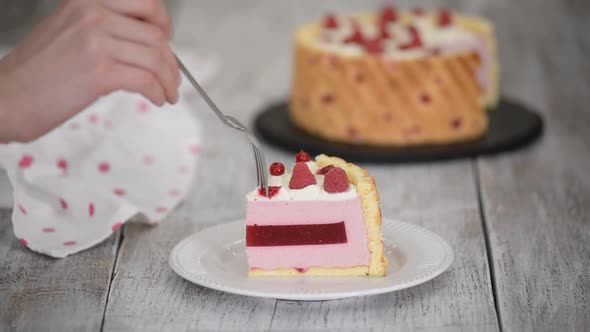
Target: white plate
{"x": 216, "y": 258}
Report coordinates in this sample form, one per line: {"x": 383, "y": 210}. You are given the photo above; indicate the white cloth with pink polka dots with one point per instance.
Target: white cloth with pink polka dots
{"x": 120, "y": 157}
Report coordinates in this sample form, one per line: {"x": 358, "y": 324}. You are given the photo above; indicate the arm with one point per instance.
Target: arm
{"x": 84, "y": 50}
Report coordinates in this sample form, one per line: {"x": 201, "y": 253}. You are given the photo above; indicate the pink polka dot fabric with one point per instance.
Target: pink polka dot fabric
{"x": 80, "y": 183}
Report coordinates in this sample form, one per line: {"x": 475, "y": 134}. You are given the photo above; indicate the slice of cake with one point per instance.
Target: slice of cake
{"x": 395, "y": 78}
{"x": 321, "y": 219}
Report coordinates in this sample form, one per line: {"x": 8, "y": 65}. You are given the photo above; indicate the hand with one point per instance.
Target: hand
{"x": 84, "y": 50}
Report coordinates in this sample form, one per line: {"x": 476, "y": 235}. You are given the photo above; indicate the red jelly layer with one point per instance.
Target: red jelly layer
{"x": 295, "y": 235}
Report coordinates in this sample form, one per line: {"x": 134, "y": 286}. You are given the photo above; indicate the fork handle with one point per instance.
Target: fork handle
{"x": 198, "y": 87}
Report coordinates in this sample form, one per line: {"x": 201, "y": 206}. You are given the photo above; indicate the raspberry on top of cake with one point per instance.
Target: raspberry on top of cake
{"x": 305, "y": 183}
{"x": 320, "y": 219}
{"x": 401, "y": 35}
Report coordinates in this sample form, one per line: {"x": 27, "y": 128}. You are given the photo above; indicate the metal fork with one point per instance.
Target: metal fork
{"x": 233, "y": 123}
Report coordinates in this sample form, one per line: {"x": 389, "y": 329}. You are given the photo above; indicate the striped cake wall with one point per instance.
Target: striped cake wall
{"x": 375, "y": 100}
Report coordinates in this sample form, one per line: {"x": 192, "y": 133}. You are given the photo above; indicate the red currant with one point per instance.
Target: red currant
{"x": 277, "y": 169}
{"x": 302, "y": 156}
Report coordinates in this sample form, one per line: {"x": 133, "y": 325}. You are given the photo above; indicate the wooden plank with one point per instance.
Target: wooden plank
{"x": 441, "y": 198}
{"x": 537, "y": 202}
{"x": 42, "y": 293}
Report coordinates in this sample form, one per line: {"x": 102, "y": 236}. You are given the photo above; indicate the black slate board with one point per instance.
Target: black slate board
{"x": 512, "y": 126}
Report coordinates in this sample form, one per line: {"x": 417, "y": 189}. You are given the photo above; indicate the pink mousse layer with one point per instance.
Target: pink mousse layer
{"x": 479, "y": 46}
{"x": 353, "y": 253}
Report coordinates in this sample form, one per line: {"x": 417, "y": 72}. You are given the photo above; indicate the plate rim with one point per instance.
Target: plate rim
{"x": 442, "y": 266}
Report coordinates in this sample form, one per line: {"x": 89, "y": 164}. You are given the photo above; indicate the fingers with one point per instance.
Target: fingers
{"x": 127, "y": 28}
{"x": 152, "y": 11}
{"x": 133, "y": 30}
{"x": 133, "y": 79}
{"x": 133, "y": 34}
{"x": 148, "y": 58}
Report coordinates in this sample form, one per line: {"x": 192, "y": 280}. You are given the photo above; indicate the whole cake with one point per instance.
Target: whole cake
{"x": 395, "y": 78}
{"x": 321, "y": 219}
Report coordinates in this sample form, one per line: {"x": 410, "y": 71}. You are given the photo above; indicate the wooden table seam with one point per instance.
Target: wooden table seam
{"x": 120, "y": 239}
{"x": 488, "y": 248}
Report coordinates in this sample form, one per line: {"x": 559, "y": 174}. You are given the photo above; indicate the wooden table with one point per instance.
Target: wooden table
{"x": 519, "y": 222}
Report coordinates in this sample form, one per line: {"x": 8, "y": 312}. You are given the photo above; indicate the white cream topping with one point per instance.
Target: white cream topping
{"x": 310, "y": 193}
{"x": 275, "y": 181}
{"x": 331, "y": 36}
{"x": 313, "y": 168}
{"x": 395, "y": 53}
{"x": 344, "y": 49}
{"x": 432, "y": 37}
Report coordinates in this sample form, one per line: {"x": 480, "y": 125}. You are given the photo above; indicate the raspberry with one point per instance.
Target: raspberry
{"x": 373, "y": 46}
{"x": 301, "y": 177}
{"x": 277, "y": 169}
{"x": 330, "y": 22}
{"x": 336, "y": 181}
{"x": 325, "y": 170}
{"x": 388, "y": 14}
{"x": 302, "y": 156}
{"x": 357, "y": 35}
{"x": 415, "y": 42}
{"x": 444, "y": 18}
{"x": 383, "y": 32}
